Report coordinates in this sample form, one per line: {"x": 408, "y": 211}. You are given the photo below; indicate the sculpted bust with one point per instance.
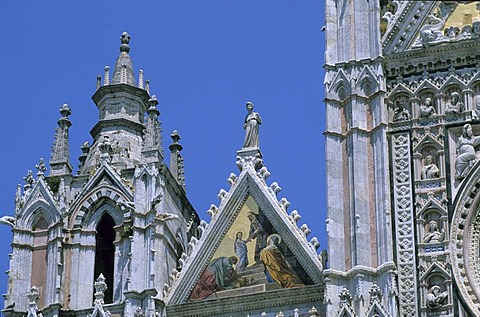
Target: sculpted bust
{"x": 454, "y": 105}
{"x": 433, "y": 234}
{"x": 429, "y": 169}
{"x": 426, "y": 109}
{"x": 401, "y": 113}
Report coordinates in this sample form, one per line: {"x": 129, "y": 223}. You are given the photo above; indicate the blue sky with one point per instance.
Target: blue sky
{"x": 204, "y": 59}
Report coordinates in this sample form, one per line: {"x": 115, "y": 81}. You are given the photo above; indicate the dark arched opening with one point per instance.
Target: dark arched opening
{"x": 105, "y": 254}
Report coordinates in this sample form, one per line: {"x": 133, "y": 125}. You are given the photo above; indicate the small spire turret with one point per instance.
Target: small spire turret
{"x": 152, "y": 138}
{"x": 176, "y": 159}
{"x": 60, "y": 158}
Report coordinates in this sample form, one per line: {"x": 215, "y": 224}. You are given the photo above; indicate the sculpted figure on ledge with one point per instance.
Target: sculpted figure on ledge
{"x": 454, "y": 105}
{"x": 426, "y": 109}
{"x": 466, "y": 156}
{"x": 429, "y": 169}
{"x": 436, "y": 297}
{"x": 433, "y": 234}
{"x": 401, "y": 113}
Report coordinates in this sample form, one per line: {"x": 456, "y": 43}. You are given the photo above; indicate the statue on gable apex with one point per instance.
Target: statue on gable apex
{"x": 252, "y": 121}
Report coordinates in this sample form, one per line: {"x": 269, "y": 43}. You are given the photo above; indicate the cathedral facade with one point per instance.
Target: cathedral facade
{"x": 402, "y": 98}
{"x": 119, "y": 236}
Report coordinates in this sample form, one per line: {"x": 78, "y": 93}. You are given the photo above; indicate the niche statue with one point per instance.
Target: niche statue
{"x": 466, "y": 155}
{"x": 252, "y": 121}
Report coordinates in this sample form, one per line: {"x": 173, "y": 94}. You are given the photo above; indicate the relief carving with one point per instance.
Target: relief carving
{"x": 401, "y": 113}
{"x": 427, "y": 110}
{"x": 466, "y": 156}
{"x": 429, "y": 169}
{"x": 454, "y": 105}
{"x": 432, "y": 233}
{"x": 436, "y": 297}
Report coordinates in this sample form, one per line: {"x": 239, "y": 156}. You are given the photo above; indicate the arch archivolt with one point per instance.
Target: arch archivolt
{"x": 464, "y": 243}
{"x": 89, "y": 212}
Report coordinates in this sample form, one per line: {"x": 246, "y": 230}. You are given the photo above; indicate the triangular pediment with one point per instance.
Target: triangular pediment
{"x": 40, "y": 197}
{"x": 376, "y": 310}
{"x": 419, "y": 24}
{"x": 248, "y": 198}
{"x": 346, "y": 311}
{"x": 434, "y": 268}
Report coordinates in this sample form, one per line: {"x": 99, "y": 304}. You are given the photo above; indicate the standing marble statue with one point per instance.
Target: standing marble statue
{"x": 466, "y": 155}
{"x": 252, "y": 121}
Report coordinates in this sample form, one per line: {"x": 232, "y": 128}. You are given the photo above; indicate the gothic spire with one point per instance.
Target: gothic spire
{"x": 123, "y": 73}
{"x": 60, "y": 158}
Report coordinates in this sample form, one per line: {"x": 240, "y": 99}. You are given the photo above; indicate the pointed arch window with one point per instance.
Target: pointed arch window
{"x": 105, "y": 253}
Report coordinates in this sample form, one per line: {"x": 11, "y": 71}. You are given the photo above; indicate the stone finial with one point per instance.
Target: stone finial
{"x": 313, "y": 312}
{"x": 232, "y": 179}
{"x": 294, "y": 217}
{"x": 138, "y": 312}
{"x": 100, "y": 288}
{"x": 147, "y": 86}
{"x": 275, "y": 188}
{"x": 99, "y": 82}
{"x": 345, "y": 296}
{"x": 375, "y": 293}
{"x": 33, "y": 296}
{"x": 222, "y": 194}
{"x": 202, "y": 227}
{"x": 263, "y": 173}
{"x": 106, "y": 77}
{"x": 306, "y": 231}
{"x": 212, "y": 211}
{"x": 41, "y": 168}
{"x": 125, "y": 39}
{"x": 140, "y": 79}
{"x": 29, "y": 180}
